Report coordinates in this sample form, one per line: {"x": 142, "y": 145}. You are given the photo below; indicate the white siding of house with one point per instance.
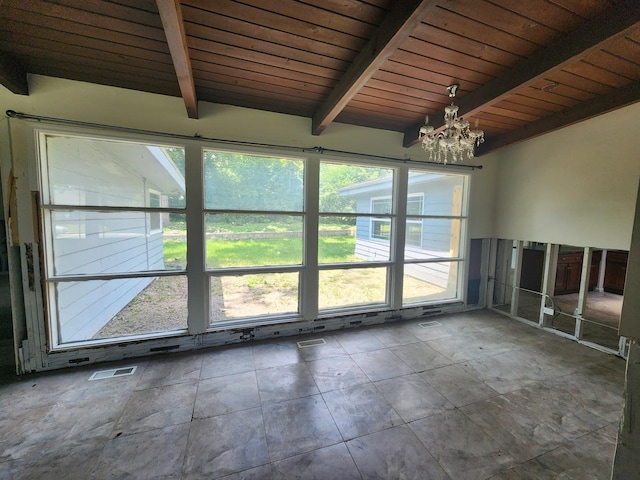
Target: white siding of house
{"x": 436, "y": 237}
{"x": 85, "y": 307}
{"x": 436, "y": 233}
{"x": 372, "y": 249}
{"x": 434, "y": 273}
{"x": 363, "y": 227}
{"x": 91, "y": 242}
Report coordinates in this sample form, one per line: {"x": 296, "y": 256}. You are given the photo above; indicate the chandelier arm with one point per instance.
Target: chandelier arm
{"x": 454, "y": 140}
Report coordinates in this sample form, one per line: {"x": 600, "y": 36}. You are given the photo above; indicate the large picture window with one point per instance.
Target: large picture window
{"x": 254, "y": 234}
{"x": 271, "y": 238}
{"x": 113, "y": 269}
{"x": 435, "y": 225}
{"x": 356, "y": 274}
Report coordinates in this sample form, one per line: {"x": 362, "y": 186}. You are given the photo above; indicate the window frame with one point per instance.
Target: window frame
{"x": 238, "y": 271}
{"x": 381, "y": 220}
{"x": 373, "y": 220}
{"x": 50, "y": 278}
{"x": 155, "y": 217}
{"x": 309, "y": 271}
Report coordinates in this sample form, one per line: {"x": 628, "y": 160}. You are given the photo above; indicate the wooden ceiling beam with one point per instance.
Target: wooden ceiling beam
{"x": 401, "y": 21}
{"x": 171, "y": 15}
{"x": 620, "y": 97}
{"x": 12, "y": 76}
{"x": 614, "y": 23}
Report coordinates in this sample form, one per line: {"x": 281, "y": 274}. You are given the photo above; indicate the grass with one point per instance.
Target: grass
{"x": 259, "y": 252}
{"x": 179, "y": 226}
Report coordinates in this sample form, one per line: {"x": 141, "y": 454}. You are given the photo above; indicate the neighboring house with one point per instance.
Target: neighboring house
{"x": 438, "y": 196}
{"x": 90, "y": 241}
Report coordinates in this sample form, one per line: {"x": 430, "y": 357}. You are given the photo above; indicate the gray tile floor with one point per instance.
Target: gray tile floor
{"x": 476, "y": 396}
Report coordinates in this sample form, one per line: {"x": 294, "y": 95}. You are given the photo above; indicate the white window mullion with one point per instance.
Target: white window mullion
{"x": 398, "y": 236}
{"x": 197, "y": 280}
{"x": 309, "y": 276}
{"x": 515, "y": 292}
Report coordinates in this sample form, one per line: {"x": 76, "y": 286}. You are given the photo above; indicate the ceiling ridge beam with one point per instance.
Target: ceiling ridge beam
{"x": 12, "y": 76}
{"x": 589, "y": 37}
{"x": 602, "y": 104}
{"x": 399, "y": 23}
{"x": 173, "y": 24}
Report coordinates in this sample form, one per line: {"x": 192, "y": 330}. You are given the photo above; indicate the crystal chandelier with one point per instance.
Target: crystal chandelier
{"x": 456, "y": 142}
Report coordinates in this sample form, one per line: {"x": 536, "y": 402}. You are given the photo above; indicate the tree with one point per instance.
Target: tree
{"x": 333, "y": 177}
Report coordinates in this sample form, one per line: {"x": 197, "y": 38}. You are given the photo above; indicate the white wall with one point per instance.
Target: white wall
{"x": 81, "y": 101}
{"x": 575, "y": 186}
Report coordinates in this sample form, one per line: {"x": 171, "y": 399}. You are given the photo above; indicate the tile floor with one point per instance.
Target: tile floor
{"x": 476, "y": 396}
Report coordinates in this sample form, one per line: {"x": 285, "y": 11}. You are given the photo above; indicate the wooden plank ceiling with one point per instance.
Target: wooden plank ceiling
{"x": 524, "y": 67}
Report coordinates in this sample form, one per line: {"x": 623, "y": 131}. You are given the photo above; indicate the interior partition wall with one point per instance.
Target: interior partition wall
{"x": 554, "y": 287}
{"x": 143, "y": 244}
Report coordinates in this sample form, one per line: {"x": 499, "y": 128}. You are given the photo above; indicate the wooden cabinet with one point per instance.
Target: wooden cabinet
{"x": 615, "y": 272}
{"x": 568, "y": 274}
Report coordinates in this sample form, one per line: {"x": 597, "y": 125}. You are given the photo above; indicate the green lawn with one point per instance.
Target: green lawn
{"x": 255, "y": 225}
{"x": 257, "y": 252}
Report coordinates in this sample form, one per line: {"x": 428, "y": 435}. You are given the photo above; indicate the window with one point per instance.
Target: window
{"x": 253, "y": 237}
{"x": 264, "y": 246}
{"x": 101, "y": 262}
{"x": 354, "y": 269}
{"x": 381, "y": 227}
{"x": 155, "y": 218}
{"x": 434, "y": 229}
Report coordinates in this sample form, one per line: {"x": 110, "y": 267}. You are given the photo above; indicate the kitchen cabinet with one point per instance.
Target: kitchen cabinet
{"x": 615, "y": 272}
{"x": 568, "y": 273}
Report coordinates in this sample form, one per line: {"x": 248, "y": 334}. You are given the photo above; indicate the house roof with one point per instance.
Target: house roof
{"x": 524, "y": 68}
{"x": 152, "y": 162}
{"x": 376, "y": 185}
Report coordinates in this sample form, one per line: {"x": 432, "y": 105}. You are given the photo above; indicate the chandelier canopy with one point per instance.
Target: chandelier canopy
{"x": 456, "y": 142}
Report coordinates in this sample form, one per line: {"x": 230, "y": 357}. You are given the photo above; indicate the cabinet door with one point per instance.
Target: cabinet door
{"x": 561, "y": 278}
{"x": 573, "y": 277}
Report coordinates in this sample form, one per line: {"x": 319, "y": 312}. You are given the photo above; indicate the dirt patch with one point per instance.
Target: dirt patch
{"x": 161, "y": 306}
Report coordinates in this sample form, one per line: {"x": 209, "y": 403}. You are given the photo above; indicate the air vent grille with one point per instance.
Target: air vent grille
{"x": 430, "y": 324}
{"x": 114, "y": 372}
{"x": 311, "y": 343}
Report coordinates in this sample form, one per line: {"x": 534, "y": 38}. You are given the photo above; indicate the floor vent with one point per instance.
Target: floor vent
{"x": 115, "y": 372}
{"x": 430, "y": 324}
{"x": 311, "y": 343}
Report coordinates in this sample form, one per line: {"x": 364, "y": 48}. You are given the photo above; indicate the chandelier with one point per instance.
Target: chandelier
{"x": 456, "y": 142}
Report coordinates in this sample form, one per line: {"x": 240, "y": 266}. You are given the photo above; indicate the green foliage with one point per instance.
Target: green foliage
{"x": 235, "y": 181}
{"x": 176, "y": 154}
{"x": 333, "y": 177}
{"x": 244, "y": 182}
{"x": 177, "y": 157}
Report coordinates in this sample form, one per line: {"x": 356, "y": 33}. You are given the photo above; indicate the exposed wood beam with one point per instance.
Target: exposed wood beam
{"x": 171, "y": 15}
{"x": 615, "y": 22}
{"x": 401, "y": 21}
{"x": 12, "y": 76}
{"x": 603, "y": 104}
